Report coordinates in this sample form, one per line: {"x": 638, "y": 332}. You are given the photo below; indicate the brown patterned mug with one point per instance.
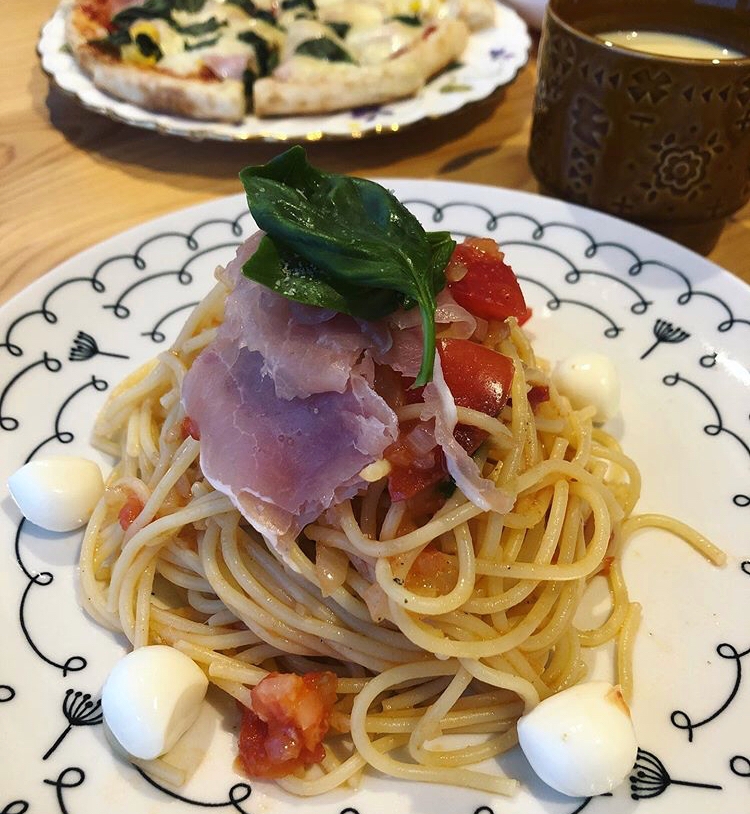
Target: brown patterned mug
{"x": 662, "y": 141}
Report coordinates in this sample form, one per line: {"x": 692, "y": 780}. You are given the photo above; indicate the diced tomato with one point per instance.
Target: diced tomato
{"x": 537, "y": 394}
{"x": 392, "y": 387}
{"x": 132, "y": 507}
{"x": 189, "y": 427}
{"x": 411, "y": 474}
{"x": 284, "y": 730}
{"x": 478, "y": 378}
{"x": 433, "y": 573}
{"x": 488, "y": 288}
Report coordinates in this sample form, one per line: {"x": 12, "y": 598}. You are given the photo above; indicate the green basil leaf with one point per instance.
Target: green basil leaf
{"x": 323, "y": 48}
{"x": 148, "y": 47}
{"x": 113, "y": 42}
{"x": 287, "y": 5}
{"x": 150, "y": 10}
{"x": 351, "y": 232}
{"x": 407, "y": 19}
{"x": 210, "y": 26}
{"x": 192, "y": 6}
{"x": 447, "y": 487}
{"x": 253, "y": 11}
{"x": 340, "y": 29}
{"x": 266, "y": 55}
{"x": 248, "y": 80}
{"x": 442, "y": 246}
{"x": 297, "y": 279}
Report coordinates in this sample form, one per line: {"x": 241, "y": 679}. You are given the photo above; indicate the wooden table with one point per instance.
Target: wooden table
{"x": 71, "y": 178}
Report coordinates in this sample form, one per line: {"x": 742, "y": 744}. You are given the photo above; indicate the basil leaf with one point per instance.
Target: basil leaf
{"x": 150, "y": 10}
{"x": 323, "y": 48}
{"x": 340, "y": 29}
{"x": 210, "y": 26}
{"x": 407, "y": 19}
{"x": 352, "y": 233}
{"x": 192, "y": 6}
{"x": 442, "y": 246}
{"x": 266, "y": 55}
{"x": 447, "y": 487}
{"x": 195, "y": 46}
{"x": 287, "y": 5}
{"x": 148, "y": 47}
{"x": 295, "y": 278}
{"x": 113, "y": 42}
{"x": 253, "y": 11}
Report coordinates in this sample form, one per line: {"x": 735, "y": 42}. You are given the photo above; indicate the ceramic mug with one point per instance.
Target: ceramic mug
{"x": 662, "y": 141}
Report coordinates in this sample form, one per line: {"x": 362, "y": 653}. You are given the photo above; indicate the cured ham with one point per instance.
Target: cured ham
{"x": 281, "y": 461}
{"x": 305, "y": 349}
{"x": 284, "y": 407}
{"x": 405, "y": 353}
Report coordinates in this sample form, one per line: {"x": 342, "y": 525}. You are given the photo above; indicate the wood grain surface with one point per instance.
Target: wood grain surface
{"x": 70, "y": 178}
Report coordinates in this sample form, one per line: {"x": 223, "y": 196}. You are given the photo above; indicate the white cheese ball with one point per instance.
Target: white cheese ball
{"x": 151, "y": 698}
{"x": 58, "y": 493}
{"x": 581, "y": 742}
{"x": 589, "y": 378}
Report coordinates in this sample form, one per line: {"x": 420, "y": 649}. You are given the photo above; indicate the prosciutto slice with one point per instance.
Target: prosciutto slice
{"x": 285, "y": 408}
{"x": 305, "y": 349}
{"x": 282, "y": 462}
{"x": 405, "y": 353}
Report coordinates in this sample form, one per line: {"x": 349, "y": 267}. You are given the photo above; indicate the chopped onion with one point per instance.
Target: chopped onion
{"x": 456, "y": 271}
{"x": 421, "y": 440}
{"x": 331, "y": 565}
{"x": 376, "y": 600}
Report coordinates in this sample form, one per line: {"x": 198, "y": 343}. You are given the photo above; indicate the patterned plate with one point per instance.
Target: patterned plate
{"x": 493, "y": 58}
{"x": 678, "y": 329}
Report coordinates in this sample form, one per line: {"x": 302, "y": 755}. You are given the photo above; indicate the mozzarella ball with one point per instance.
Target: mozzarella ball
{"x": 581, "y": 742}
{"x": 151, "y": 698}
{"x": 58, "y": 493}
{"x": 589, "y": 378}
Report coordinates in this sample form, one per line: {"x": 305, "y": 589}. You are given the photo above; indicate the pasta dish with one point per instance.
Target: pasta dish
{"x": 365, "y": 549}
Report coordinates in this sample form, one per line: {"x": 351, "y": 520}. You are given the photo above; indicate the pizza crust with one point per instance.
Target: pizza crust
{"x": 305, "y": 86}
{"x": 196, "y": 98}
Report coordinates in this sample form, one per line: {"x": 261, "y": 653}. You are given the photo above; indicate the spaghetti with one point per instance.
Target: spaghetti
{"x": 463, "y": 649}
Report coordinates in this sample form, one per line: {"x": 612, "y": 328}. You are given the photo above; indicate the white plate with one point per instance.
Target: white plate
{"x": 493, "y": 58}
{"x": 593, "y": 282}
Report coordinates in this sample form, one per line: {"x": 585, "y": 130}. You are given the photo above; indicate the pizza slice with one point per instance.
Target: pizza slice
{"x": 221, "y": 59}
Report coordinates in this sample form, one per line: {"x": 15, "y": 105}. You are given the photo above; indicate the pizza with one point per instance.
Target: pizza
{"x": 222, "y": 59}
